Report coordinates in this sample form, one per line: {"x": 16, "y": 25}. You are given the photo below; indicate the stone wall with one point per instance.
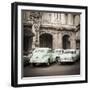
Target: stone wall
{"x": 55, "y": 24}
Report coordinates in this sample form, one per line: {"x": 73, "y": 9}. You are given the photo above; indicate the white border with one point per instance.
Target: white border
{"x": 46, "y": 79}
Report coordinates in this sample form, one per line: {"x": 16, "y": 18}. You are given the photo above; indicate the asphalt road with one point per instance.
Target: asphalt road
{"x": 53, "y": 69}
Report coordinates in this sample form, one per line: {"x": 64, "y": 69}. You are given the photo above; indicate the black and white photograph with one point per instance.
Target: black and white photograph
{"x": 49, "y": 42}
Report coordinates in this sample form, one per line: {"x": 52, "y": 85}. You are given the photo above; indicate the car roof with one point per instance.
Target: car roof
{"x": 69, "y": 49}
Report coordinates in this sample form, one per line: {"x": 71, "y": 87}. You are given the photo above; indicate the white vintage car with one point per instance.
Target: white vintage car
{"x": 69, "y": 55}
{"x": 57, "y": 53}
{"x": 41, "y": 55}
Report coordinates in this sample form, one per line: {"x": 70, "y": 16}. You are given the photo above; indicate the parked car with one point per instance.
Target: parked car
{"x": 69, "y": 55}
{"x": 76, "y": 55}
{"x": 26, "y": 60}
{"x": 27, "y": 57}
{"x": 57, "y": 53}
{"x": 42, "y": 56}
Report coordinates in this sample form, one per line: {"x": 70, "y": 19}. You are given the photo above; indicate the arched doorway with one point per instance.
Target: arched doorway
{"x": 46, "y": 40}
{"x": 66, "y": 42}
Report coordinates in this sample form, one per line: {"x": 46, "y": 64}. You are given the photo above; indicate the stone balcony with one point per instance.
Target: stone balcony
{"x": 57, "y": 26}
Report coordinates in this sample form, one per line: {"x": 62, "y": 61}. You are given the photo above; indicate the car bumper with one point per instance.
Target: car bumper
{"x": 66, "y": 60}
{"x": 38, "y": 61}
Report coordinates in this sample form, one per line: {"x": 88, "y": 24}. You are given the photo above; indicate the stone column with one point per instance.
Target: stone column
{"x": 63, "y": 18}
{"x": 52, "y": 18}
{"x": 34, "y": 37}
{"x": 73, "y": 43}
{"x": 28, "y": 15}
{"x": 55, "y": 41}
{"x": 35, "y": 29}
{"x": 33, "y": 42}
{"x": 77, "y": 20}
{"x": 70, "y": 19}
{"x": 59, "y": 40}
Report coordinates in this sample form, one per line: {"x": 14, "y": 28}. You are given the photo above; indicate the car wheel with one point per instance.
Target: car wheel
{"x": 48, "y": 62}
{"x": 58, "y": 60}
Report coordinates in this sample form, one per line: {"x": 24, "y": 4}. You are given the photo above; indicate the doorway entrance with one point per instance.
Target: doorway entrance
{"x": 66, "y": 42}
{"x": 46, "y": 40}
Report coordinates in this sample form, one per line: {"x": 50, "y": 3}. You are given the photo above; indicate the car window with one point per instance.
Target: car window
{"x": 58, "y": 51}
{"x": 38, "y": 51}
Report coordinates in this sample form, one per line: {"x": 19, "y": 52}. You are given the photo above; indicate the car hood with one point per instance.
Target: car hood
{"x": 66, "y": 55}
{"x": 38, "y": 55}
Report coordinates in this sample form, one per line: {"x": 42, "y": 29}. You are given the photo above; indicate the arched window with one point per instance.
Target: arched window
{"x": 66, "y": 42}
{"x": 46, "y": 40}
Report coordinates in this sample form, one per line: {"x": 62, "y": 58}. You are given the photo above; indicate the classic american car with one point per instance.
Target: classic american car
{"x": 57, "y": 53}
{"x": 42, "y": 56}
{"x": 69, "y": 55}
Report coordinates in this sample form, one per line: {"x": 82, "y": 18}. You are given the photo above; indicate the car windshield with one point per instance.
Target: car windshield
{"x": 39, "y": 51}
{"x": 58, "y": 51}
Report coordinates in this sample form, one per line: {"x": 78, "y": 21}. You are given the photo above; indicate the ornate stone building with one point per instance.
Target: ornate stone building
{"x": 50, "y": 29}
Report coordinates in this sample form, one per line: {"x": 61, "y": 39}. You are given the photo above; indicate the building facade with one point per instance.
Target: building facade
{"x": 50, "y": 29}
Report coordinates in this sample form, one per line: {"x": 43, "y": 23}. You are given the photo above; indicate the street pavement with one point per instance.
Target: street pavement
{"x": 52, "y": 70}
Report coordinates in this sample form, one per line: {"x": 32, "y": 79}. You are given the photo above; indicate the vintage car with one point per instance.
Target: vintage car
{"x": 41, "y": 56}
{"x": 26, "y": 57}
{"x": 69, "y": 55}
{"x": 57, "y": 53}
{"x": 76, "y": 55}
{"x": 26, "y": 60}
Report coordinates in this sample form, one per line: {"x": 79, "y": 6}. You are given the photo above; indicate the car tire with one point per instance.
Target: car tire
{"x": 48, "y": 62}
{"x": 58, "y": 60}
